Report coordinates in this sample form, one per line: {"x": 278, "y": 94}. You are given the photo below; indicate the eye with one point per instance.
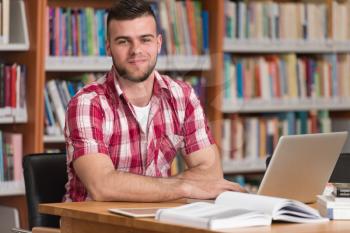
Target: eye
{"x": 122, "y": 42}
{"x": 146, "y": 39}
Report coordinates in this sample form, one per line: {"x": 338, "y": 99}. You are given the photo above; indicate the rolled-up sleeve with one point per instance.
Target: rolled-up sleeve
{"x": 196, "y": 131}
{"x": 83, "y": 127}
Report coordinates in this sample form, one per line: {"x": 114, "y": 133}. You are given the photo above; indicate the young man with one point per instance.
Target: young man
{"x": 122, "y": 132}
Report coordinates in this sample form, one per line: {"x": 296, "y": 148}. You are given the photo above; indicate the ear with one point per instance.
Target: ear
{"x": 159, "y": 42}
{"x": 108, "y": 47}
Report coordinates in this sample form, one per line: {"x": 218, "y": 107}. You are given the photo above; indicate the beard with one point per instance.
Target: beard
{"x": 129, "y": 75}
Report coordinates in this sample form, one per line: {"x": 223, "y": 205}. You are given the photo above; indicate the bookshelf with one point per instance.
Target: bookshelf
{"x": 313, "y": 39}
{"x": 24, "y": 47}
{"x": 29, "y": 47}
{"x": 256, "y": 106}
{"x": 291, "y": 46}
{"x": 12, "y": 188}
{"x": 177, "y": 62}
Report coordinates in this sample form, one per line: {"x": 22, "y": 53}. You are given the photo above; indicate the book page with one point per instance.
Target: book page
{"x": 278, "y": 208}
{"x": 212, "y": 216}
{"x": 268, "y": 205}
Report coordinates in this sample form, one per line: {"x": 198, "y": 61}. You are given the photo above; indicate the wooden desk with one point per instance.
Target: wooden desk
{"x": 89, "y": 217}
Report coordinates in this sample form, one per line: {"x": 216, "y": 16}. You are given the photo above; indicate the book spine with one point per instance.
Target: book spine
{"x": 341, "y": 192}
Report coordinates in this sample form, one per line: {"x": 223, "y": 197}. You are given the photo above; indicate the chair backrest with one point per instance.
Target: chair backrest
{"x": 45, "y": 176}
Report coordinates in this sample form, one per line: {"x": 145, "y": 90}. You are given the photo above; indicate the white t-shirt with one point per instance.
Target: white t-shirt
{"x": 142, "y": 115}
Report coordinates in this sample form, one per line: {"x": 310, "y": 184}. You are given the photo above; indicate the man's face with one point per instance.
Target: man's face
{"x": 134, "y": 46}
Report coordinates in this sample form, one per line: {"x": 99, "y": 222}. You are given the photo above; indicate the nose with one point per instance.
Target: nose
{"x": 135, "y": 48}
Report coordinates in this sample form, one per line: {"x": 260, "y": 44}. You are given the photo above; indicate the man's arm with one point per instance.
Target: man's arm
{"x": 204, "y": 172}
{"x": 203, "y": 164}
{"x": 202, "y": 180}
{"x": 104, "y": 183}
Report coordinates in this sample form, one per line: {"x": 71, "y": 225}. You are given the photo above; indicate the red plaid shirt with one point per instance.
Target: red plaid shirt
{"x": 100, "y": 119}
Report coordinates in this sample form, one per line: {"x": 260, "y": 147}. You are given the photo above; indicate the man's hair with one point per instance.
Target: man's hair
{"x": 129, "y": 9}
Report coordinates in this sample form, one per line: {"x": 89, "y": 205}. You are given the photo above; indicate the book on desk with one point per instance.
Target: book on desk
{"x": 231, "y": 210}
{"x": 336, "y": 205}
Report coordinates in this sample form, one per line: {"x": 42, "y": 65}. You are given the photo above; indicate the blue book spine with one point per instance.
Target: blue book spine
{"x": 48, "y": 109}
{"x": 60, "y": 41}
{"x": 84, "y": 33}
{"x": 333, "y": 58}
{"x": 74, "y": 33}
{"x": 240, "y": 79}
{"x": 103, "y": 32}
{"x": 227, "y": 79}
{"x": 98, "y": 30}
{"x": 205, "y": 25}
{"x": 291, "y": 123}
{"x": 52, "y": 30}
{"x": 71, "y": 88}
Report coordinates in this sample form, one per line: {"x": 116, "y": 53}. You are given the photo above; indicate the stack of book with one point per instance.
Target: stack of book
{"x": 337, "y": 205}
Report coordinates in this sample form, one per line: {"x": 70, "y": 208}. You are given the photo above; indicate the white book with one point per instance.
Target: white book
{"x": 226, "y": 140}
{"x": 334, "y": 213}
{"x": 251, "y": 138}
{"x": 234, "y": 209}
{"x": 329, "y": 202}
{"x": 345, "y": 200}
{"x": 230, "y": 13}
{"x": 5, "y": 21}
{"x": 57, "y": 102}
{"x": 265, "y": 79}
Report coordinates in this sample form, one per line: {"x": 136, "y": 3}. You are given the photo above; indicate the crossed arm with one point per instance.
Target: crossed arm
{"x": 203, "y": 179}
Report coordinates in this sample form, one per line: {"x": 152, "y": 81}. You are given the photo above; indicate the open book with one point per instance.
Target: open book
{"x": 234, "y": 209}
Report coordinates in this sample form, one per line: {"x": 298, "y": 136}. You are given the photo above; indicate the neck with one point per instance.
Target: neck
{"x": 139, "y": 94}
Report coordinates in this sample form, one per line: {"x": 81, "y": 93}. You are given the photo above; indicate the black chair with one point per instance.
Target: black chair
{"x": 45, "y": 176}
{"x": 340, "y": 173}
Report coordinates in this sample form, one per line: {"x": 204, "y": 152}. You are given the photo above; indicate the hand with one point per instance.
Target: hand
{"x": 209, "y": 189}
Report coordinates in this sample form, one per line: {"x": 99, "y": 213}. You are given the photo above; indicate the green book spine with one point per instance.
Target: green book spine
{"x": 199, "y": 28}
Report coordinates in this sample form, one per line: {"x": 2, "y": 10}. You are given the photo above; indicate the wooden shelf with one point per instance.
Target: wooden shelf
{"x": 271, "y": 46}
{"x": 84, "y": 64}
{"x": 54, "y": 139}
{"x": 14, "y": 47}
{"x": 243, "y": 166}
{"x": 18, "y": 38}
{"x": 335, "y": 104}
{"x": 12, "y": 188}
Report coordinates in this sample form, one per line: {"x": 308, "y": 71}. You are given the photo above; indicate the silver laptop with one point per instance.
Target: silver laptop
{"x": 301, "y": 165}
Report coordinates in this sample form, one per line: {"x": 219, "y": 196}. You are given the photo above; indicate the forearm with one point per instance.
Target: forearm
{"x": 122, "y": 186}
{"x": 206, "y": 167}
{"x": 201, "y": 173}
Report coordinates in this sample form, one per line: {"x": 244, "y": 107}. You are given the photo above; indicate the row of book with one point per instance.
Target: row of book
{"x": 286, "y": 20}
{"x": 12, "y": 90}
{"x": 82, "y": 32}
{"x": 4, "y": 21}
{"x": 76, "y": 32}
{"x": 286, "y": 77}
{"x": 58, "y": 93}
{"x": 10, "y": 156}
{"x": 184, "y": 26}
{"x": 255, "y": 137}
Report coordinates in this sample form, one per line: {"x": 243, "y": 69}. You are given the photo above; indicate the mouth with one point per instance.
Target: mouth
{"x": 137, "y": 61}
